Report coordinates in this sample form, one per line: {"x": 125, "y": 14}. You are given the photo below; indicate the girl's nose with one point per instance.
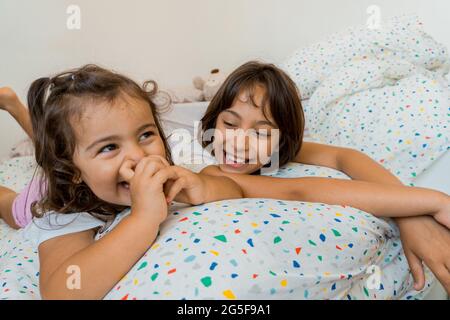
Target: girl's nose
{"x": 239, "y": 143}
{"x": 242, "y": 141}
{"x": 135, "y": 153}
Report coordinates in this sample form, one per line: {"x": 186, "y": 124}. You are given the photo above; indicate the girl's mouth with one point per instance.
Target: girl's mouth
{"x": 124, "y": 185}
{"x": 229, "y": 160}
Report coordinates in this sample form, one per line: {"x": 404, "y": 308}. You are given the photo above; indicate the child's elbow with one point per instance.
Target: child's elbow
{"x": 48, "y": 294}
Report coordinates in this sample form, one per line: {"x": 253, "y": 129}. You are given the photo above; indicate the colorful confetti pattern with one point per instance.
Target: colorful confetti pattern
{"x": 241, "y": 249}
{"x": 382, "y": 92}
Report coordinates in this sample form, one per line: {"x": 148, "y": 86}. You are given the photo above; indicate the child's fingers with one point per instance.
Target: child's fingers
{"x": 416, "y": 267}
{"x": 176, "y": 188}
{"x": 165, "y": 174}
{"x": 160, "y": 159}
{"x": 443, "y": 275}
{"x": 126, "y": 170}
{"x": 163, "y": 160}
{"x": 172, "y": 179}
{"x": 148, "y": 166}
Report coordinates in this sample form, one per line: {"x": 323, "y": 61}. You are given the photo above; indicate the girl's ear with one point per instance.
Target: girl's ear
{"x": 76, "y": 178}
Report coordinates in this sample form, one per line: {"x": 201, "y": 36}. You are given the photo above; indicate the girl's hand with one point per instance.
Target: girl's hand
{"x": 8, "y": 99}
{"x": 187, "y": 186}
{"x": 426, "y": 240}
{"x": 126, "y": 170}
{"x": 146, "y": 187}
{"x": 443, "y": 214}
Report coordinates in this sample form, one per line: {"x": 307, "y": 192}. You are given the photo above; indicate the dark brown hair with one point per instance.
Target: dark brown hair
{"x": 53, "y": 103}
{"x": 281, "y": 94}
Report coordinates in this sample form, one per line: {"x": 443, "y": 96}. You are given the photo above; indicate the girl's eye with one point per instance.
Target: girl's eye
{"x": 228, "y": 124}
{"x": 263, "y": 133}
{"x": 146, "y": 135}
{"x": 108, "y": 148}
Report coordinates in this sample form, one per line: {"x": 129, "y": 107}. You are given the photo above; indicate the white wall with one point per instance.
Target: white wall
{"x": 173, "y": 40}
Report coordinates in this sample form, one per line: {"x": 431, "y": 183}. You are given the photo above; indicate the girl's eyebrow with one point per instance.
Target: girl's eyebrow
{"x": 234, "y": 113}
{"x": 262, "y": 122}
{"x": 116, "y": 137}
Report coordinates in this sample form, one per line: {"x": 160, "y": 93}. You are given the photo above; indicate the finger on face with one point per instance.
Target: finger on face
{"x": 160, "y": 158}
{"x": 152, "y": 168}
{"x": 126, "y": 170}
{"x": 147, "y": 166}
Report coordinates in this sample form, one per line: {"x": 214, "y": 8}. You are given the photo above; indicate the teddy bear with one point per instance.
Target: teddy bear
{"x": 210, "y": 85}
{"x": 203, "y": 89}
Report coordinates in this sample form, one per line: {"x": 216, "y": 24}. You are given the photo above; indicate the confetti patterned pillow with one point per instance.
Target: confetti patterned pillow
{"x": 382, "y": 92}
{"x": 401, "y": 37}
{"x": 242, "y": 249}
{"x": 391, "y": 110}
{"x": 269, "y": 249}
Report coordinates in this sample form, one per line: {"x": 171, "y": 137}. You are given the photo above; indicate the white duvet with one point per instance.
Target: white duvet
{"x": 383, "y": 92}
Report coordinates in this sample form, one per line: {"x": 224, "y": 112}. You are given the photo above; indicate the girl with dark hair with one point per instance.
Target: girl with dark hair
{"x": 100, "y": 149}
{"x": 259, "y": 100}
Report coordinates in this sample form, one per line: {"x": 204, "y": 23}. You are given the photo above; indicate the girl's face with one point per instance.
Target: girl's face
{"x": 106, "y": 136}
{"x": 243, "y": 143}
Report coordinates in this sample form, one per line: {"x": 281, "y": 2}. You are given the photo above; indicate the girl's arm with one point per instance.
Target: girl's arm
{"x": 7, "y": 197}
{"x": 11, "y": 103}
{"x": 423, "y": 239}
{"x": 104, "y": 262}
{"x": 101, "y": 263}
{"x": 353, "y": 163}
{"x": 220, "y": 188}
{"x": 381, "y": 200}
{"x": 194, "y": 188}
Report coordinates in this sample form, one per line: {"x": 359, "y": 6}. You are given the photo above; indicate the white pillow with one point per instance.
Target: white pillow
{"x": 402, "y": 37}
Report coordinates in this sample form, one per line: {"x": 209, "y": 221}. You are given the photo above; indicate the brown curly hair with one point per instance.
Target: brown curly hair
{"x": 53, "y": 102}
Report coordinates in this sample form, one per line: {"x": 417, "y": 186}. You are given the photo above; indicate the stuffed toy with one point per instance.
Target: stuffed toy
{"x": 203, "y": 89}
{"x": 210, "y": 85}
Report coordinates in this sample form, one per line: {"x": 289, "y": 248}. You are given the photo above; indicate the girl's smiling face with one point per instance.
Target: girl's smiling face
{"x": 109, "y": 134}
{"x": 243, "y": 141}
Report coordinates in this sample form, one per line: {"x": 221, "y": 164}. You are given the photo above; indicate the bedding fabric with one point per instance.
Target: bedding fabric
{"x": 242, "y": 249}
{"x": 383, "y": 92}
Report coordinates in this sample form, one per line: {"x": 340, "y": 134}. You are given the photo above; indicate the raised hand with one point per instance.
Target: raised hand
{"x": 146, "y": 183}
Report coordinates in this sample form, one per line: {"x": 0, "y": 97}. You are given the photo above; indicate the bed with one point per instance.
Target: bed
{"x": 270, "y": 249}
{"x": 242, "y": 249}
